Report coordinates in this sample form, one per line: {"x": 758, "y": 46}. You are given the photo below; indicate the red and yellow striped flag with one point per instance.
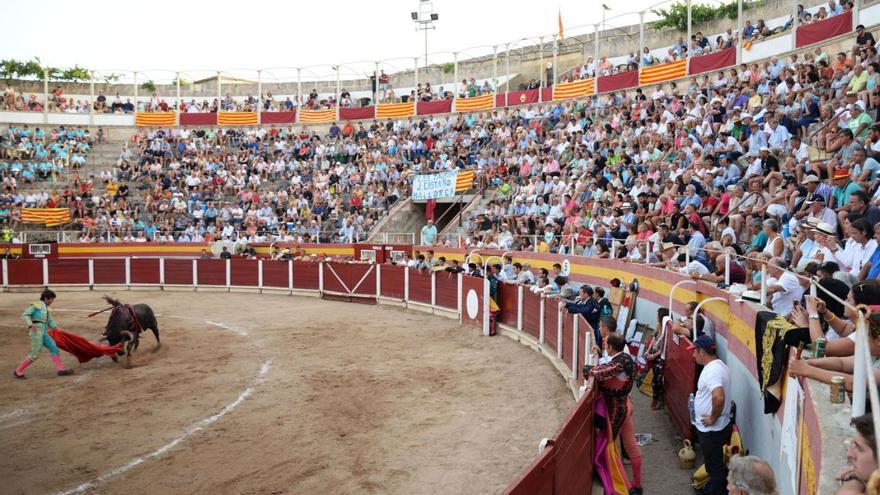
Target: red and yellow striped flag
{"x": 484, "y": 102}
{"x": 392, "y": 110}
{"x": 576, "y": 89}
{"x": 49, "y": 216}
{"x": 237, "y": 118}
{"x": 317, "y": 116}
{"x": 145, "y": 119}
{"x": 665, "y": 72}
{"x": 464, "y": 180}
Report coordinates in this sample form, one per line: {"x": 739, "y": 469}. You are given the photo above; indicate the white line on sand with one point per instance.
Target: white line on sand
{"x": 193, "y": 429}
{"x": 227, "y": 327}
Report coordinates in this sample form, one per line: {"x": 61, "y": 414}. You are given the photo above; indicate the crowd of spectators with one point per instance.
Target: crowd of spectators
{"x": 34, "y": 156}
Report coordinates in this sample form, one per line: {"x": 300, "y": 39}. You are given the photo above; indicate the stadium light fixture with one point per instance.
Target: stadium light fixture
{"x": 424, "y": 20}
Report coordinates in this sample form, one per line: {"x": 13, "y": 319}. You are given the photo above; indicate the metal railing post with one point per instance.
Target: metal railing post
{"x": 764, "y": 285}
{"x": 677, "y": 285}
{"x": 727, "y": 269}
{"x": 860, "y": 385}
{"x": 697, "y": 311}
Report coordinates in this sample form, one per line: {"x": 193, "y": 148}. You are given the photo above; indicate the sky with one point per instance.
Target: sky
{"x": 196, "y": 36}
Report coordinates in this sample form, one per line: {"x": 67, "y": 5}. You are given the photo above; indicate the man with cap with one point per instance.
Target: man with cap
{"x": 626, "y": 222}
{"x": 819, "y": 212}
{"x": 711, "y": 412}
{"x": 757, "y": 138}
{"x": 783, "y": 285}
{"x": 843, "y": 189}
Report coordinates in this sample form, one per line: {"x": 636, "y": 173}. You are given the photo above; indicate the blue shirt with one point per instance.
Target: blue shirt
{"x": 875, "y": 265}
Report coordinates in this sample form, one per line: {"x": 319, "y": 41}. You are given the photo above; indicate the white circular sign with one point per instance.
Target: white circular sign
{"x": 566, "y": 268}
{"x": 472, "y": 304}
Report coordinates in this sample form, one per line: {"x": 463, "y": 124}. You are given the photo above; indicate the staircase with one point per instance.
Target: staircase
{"x": 402, "y": 224}
{"x": 457, "y": 233}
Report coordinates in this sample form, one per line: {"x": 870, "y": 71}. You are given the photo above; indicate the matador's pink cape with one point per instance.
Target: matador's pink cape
{"x": 80, "y": 347}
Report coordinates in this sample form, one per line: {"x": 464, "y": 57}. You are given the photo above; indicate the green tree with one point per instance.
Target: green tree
{"x": 676, "y": 15}
{"x": 149, "y": 85}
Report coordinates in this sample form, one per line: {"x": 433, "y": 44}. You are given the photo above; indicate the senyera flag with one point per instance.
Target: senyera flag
{"x": 155, "y": 119}
{"x": 51, "y": 217}
{"x": 484, "y": 102}
{"x": 237, "y": 118}
{"x": 464, "y": 180}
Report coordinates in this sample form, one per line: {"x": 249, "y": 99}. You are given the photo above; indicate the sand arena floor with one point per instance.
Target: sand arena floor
{"x": 270, "y": 394}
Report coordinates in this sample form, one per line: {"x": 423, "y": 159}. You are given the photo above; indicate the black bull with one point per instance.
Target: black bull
{"x": 126, "y": 323}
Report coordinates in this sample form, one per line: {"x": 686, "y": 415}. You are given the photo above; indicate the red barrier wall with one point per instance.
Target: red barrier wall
{"x": 538, "y": 478}
{"x": 679, "y": 381}
{"x": 624, "y": 80}
{"x": 392, "y": 281}
{"x": 712, "y": 61}
{"x": 25, "y": 272}
{"x": 508, "y": 301}
{"x": 278, "y": 117}
{"x": 583, "y": 328}
{"x": 362, "y": 279}
{"x": 336, "y": 278}
{"x": 446, "y": 286}
{"x": 432, "y": 107}
{"x": 146, "y": 271}
{"x": 824, "y": 29}
{"x": 305, "y": 275}
{"x": 198, "y": 119}
{"x": 178, "y": 272}
{"x": 420, "y": 287}
{"x": 469, "y": 285}
{"x": 519, "y": 97}
{"x": 68, "y": 271}
{"x": 551, "y": 317}
{"x": 566, "y": 465}
{"x": 567, "y": 338}
{"x": 574, "y": 444}
{"x": 532, "y": 313}
{"x": 276, "y": 274}
{"x": 212, "y": 272}
{"x": 109, "y": 271}
{"x": 243, "y": 273}
{"x": 357, "y": 113}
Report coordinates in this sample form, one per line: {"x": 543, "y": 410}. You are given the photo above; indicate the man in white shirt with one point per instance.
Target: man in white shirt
{"x": 711, "y": 412}
{"x": 784, "y": 287}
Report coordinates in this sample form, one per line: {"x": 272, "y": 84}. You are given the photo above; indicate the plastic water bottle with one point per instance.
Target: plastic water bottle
{"x": 691, "y": 409}
{"x": 786, "y": 232}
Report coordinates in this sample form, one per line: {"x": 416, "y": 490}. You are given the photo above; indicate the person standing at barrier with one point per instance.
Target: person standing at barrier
{"x": 492, "y": 279}
{"x": 429, "y": 233}
{"x": 38, "y": 320}
{"x": 655, "y": 359}
{"x": 711, "y": 412}
{"x": 614, "y": 380}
